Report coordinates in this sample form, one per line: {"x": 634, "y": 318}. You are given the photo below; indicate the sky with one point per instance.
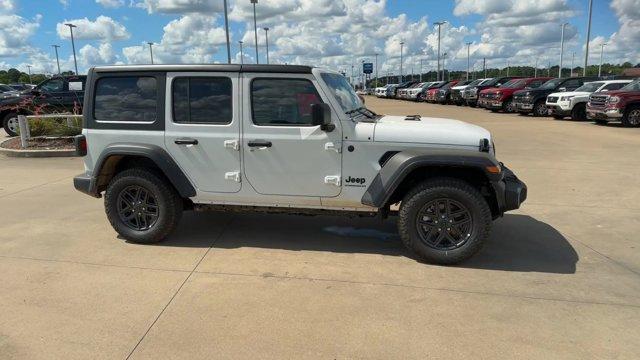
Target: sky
{"x": 336, "y": 34}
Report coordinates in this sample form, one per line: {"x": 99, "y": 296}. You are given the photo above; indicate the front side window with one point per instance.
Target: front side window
{"x": 632, "y": 86}
{"x": 282, "y": 102}
{"x": 131, "y": 98}
{"x": 202, "y": 100}
{"x": 53, "y": 85}
{"x": 342, "y": 90}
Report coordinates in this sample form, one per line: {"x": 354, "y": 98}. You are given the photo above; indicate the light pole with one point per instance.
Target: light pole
{"x": 151, "y": 51}
{"x": 266, "y": 37}
{"x": 255, "y": 28}
{"x": 468, "y": 58}
{"x": 444, "y": 66}
{"x": 535, "y": 70}
{"x": 55, "y": 47}
{"x": 573, "y": 57}
{"x": 484, "y": 66}
{"x": 586, "y": 53}
{"x": 226, "y": 29}
{"x": 29, "y": 69}
{"x": 439, "y": 23}
{"x": 508, "y": 68}
{"x": 601, "y": 56}
{"x": 376, "y": 55}
{"x": 241, "y": 55}
{"x": 401, "y": 48}
{"x": 73, "y": 46}
{"x": 421, "y": 70}
{"x": 561, "y": 48}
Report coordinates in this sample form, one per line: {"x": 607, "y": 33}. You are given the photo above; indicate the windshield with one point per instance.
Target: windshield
{"x": 634, "y": 86}
{"x": 590, "y": 87}
{"x": 342, "y": 90}
{"x": 475, "y": 82}
{"x": 551, "y": 84}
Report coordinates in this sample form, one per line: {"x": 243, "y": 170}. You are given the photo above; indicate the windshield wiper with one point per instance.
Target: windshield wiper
{"x": 364, "y": 111}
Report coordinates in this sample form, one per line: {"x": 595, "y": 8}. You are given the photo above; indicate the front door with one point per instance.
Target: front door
{"x": 202, "y": 130}
{"x": 284, "y": 154}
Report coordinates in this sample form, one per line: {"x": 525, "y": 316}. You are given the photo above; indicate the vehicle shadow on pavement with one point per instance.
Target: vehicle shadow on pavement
{"x": 518, "y": 242}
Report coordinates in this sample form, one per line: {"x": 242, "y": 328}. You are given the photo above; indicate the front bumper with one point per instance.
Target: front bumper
{"x": 494, "y": 104}
{"x": 510, "y": 191}
{"x": 523, "y": 107}
{"x": 604, "y": 114}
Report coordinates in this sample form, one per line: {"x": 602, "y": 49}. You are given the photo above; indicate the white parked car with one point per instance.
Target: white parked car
{"x": 574, "y": 103}
{"x": 283, "y": 139}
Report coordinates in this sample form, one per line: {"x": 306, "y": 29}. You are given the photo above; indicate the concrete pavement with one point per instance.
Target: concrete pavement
{"x": 559, "y": 278}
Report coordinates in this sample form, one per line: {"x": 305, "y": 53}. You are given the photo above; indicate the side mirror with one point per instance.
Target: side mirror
{"x": 321, "y": 115}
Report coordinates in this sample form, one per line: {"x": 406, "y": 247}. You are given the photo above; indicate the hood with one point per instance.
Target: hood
{"x": 489, "y": 90}
{"x": 570, "y": 93}
{"x": 618, "y": 93}
{"x": 429, "y": 130}
{"x": 461, "y": 87}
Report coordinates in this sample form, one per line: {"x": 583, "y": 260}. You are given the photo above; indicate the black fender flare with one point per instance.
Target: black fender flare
{"x": 155, "y": 153}
{"x": 400, "y": 165}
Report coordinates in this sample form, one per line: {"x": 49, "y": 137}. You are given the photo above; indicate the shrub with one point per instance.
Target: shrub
{"x": 54, "y": 127}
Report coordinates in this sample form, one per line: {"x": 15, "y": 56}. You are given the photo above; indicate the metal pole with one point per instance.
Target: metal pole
{"x": 573, "y": 58}
{"x": 226, "y": 28}
{"x": 586, "y": 53}
{"x": 549, "y": 69}
{"x": 151, "y": 51}
{"x": 535, "y": 71}
{"x": 55, "y": 47}
{"x": 468, "y": 58}
{"x": 266, "y": 37}
{"x": 601, "y": 56}
{"x": 29, "y": 70}
{"x": 255, "y": 28}
{"x": 439, "y": 23}
{"x": 377, "y": 70}
{"x": 241, "y": 55}
{"x": 421, "y": 70}
{"x": 444, "y": 67}
{"x": 561, "y": 49}
{"x": 508, "y": 68}
{"x": 73, "y": 46}
{"x": 22, "y": 125}
{"x": 484, "y": 66}
{"x": 401, "y": 47}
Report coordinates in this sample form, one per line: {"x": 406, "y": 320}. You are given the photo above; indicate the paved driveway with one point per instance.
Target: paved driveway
{"x": 560, "y": 278}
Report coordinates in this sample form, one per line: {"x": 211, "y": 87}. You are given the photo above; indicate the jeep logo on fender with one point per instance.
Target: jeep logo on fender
{"x": 359, "y": 182}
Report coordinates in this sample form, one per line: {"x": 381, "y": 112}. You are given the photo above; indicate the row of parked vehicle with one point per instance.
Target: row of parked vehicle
{"x": 578, "y": 98}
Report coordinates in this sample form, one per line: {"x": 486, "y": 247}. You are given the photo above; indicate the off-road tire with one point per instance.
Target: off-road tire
{"x": 579, "y": 112}
{"x": 5, "y": 124}
{"x": 169, "y": 204}
{"x": 631, "y": 116}
{"x": 447, "y": 188}
{"x": 538, "y": 109}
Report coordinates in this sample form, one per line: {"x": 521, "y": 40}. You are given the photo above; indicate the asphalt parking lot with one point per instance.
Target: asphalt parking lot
{"x": 559, "y": 278}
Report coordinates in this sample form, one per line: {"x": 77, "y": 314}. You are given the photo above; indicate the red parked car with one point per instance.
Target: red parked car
{"x": 496, "y": 99}
{"x": 620, "y": 105}
{"x": 432, "y": 94}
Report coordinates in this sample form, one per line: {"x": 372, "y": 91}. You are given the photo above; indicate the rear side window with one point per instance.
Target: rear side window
{"x": 202, "y": 100}
{"x": 282, "y": 102}
{"x": 131, "y": 98}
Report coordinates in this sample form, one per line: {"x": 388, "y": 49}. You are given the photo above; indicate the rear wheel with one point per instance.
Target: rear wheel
{"x": 540, "y": 109}
{"x": 142, "y": 206}
{"x": 444, "y": 221}
{"x": 631, "y": 117}
{"x": 10, "y": 124}
{"x": 579, "y": 112}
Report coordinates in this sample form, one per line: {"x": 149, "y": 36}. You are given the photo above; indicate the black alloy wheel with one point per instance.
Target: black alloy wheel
{"x": 138, "y": 208}
{"x": 444, "y": 224}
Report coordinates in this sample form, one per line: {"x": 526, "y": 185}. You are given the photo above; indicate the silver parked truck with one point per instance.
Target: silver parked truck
{"x": 159, "y": 140}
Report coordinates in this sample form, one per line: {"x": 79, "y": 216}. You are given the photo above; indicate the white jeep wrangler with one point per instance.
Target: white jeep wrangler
{"x": 162, "y": 139}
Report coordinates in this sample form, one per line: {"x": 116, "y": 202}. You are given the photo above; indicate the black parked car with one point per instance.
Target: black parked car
{"x": 473, "y": 92}
{"x": 534, "y": 100}
{"x": 61, "y": 94}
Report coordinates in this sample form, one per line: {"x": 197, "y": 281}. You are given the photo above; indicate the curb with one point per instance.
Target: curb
{"x": 35, "y": 153}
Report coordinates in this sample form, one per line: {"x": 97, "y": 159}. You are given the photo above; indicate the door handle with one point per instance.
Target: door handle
{"x": 259, "y": 143}
{"x": 186, "y": 142}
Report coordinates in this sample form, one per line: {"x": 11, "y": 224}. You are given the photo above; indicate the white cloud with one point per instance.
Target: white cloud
{"x": 102, "y": 55}
{"x": 103, "y": 28}
{"x": 181, "y": 6}
{"x": 112, "y": 4}
{"x": 15, "y": 34}
{"x": 623, "y": 44}
{"x": 7, "y": 6}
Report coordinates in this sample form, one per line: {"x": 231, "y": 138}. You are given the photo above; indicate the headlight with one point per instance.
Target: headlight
{"x": 566, "y": 98}
{"x": 613, "y": 100}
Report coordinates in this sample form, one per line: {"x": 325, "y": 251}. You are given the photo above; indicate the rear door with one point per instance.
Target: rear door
{"x": 202, "y": 130}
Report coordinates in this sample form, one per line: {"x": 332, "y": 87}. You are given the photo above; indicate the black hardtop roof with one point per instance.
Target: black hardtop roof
{"x": 293, "y": 69}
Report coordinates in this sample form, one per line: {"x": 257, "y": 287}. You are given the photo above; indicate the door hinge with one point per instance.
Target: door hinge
{"x": 332, "y": 147}
{"x": 232, "y": 144}
{"x": 233, "y": 176}
{"x": 332, "y": 180}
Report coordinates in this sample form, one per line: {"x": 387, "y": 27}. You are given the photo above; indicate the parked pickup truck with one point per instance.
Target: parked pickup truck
{"x": 473, "y": 92}
{"x": 457, "y": 92}
{"x": 443, "y": 96}
{"x": 534, "y": 100}
{"x": 60, "y": 94}
{"x": 574, "y": 103}
{"x": 283, "y": 139}
{"x": 620, "y": 105}
{"x": 501, "y": 99}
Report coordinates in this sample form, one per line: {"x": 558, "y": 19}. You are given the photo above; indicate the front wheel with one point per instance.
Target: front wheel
{"x": 631, "y": 117}
{"x": 142, "y": 206}
{"x": 540, "y": 109}
{"x": 509, "y": 106}
{"x": 444, "y": 221}
{"x": 10, "y": 124}
{"x": 579, "y": 112}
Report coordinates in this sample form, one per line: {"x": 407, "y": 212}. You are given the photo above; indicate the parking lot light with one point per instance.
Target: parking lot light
{"x": 241, "y": 55}
{"x": 255, "y": 28}
{"x": 73, "y": 46}
{"x": 151, "y": 51}
{"x": 468, "y": 58}
{"x": 266, "y": 38}
{"x": 439, "y": 23}
{"x": 55, "y": 47}
{"x": 561, "y": 48}
{"x": 401, "y": 47}
{"x": 601, "y": 56}
{"x": 586, "y": 53}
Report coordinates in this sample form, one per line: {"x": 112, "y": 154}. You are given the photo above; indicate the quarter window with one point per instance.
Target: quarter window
{"x": 283, "y": 102}
{"x": 202, "y": 100}
{"x": 133, "y": 98}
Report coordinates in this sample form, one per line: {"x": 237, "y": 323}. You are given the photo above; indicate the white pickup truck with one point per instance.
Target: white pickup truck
{"x": 574, "y": 103}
